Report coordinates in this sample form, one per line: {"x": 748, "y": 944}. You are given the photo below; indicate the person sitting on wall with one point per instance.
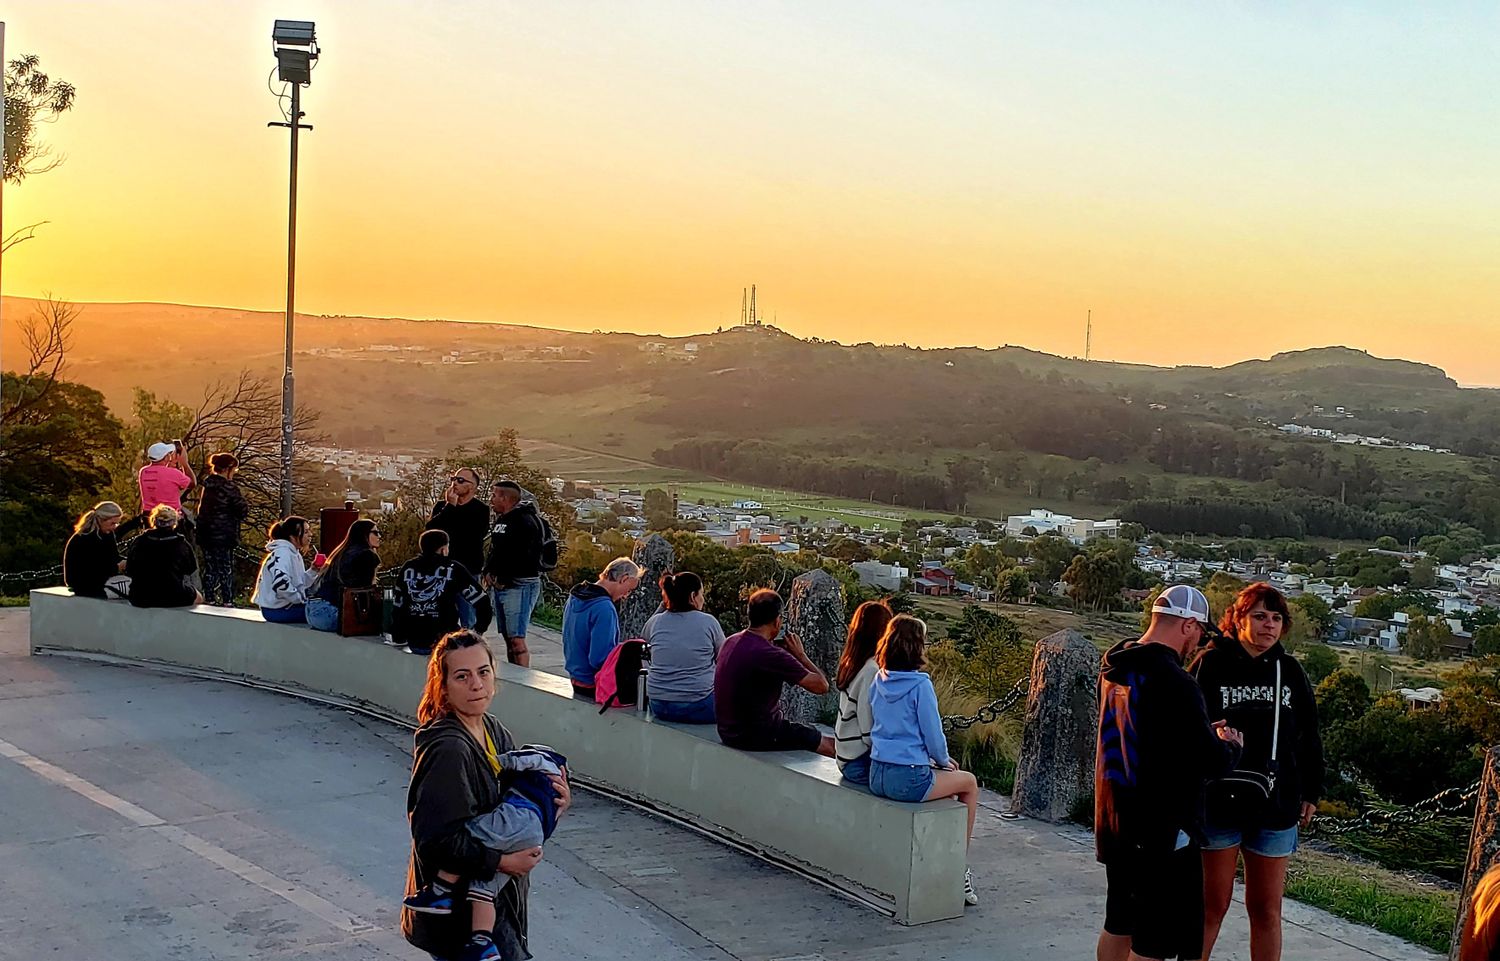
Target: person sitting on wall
{"x": 281, "y": 585}
{"x": 428, "y": 591}
{"x": 159, "y": 563}
{"x": 591, "y": 624}
{"x": 91, "y": 559}
{"x": 753, "y": 666}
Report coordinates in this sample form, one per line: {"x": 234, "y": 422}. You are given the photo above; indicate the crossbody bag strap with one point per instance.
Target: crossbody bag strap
{"x": 1276, "y": 724}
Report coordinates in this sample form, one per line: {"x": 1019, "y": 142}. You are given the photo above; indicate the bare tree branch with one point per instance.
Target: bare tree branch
{"x": 21, "y": 235}
{"x": 48, "y": 335}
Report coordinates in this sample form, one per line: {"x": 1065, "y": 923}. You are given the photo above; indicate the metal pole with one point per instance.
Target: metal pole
{"x": 291, "y": 298}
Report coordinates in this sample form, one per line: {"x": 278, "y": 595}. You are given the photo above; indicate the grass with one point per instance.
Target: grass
{"x": 1365, "y": 894}
{"x": 22, "y": 600}
{"x": 548, "y": 615}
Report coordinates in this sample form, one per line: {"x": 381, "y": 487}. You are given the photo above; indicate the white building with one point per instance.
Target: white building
{"x": 887, "y": 577}
{"x": 747, "y": 505}
{"x": 1076, "y": 529}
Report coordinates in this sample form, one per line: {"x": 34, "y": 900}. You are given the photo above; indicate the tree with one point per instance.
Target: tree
{"x": 1342, "y": 696}
{"x": 1387, "y": 543}
{"x": 1380, "y": 607}
{"x": 1312, "y": 619}
{"x": 1471, "y": 698}
{"x": 1095, "y": 580}
{"x": 1050, "y": 556}
{"x": 31, "y": 98}
{"x": 994, "y": 651}
{"x": 1013, "y": 584}
{"x": 657, "y": 501}
{"x": 1423, "y": 574}
{"x": 1319, "y": 661}
{"x": 1487, "y": 641}
{"x": 1424, "y": 637}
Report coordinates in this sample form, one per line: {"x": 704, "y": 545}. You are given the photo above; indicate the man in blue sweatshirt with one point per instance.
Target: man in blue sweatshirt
{"x": 591, "y": 625}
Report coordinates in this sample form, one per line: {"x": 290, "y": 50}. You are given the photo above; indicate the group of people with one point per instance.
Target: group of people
{"x": 888, "y": 736}
{"x": 1208, "y": 753}
{"x": 161, "y": 568}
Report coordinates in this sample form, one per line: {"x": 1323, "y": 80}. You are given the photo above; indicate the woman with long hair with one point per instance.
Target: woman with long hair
{"x": 456, "y": 775}
{"x": 221, "y": 512}
{"x": 909, "y": 759}
{"x": 92, "y": 554}
{"x": 351, "y": 565}
{"x": 281, "y": 585}
{"x": 857, "y": 667}
{"x": 1251, "y": 681}
{"x": 684, "y": 643}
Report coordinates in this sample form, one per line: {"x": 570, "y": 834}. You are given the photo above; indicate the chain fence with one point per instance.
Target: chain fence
{"x": 992, "y": 711}
{"x": 1453, "y": 802}
{"x": 31, "y": 577}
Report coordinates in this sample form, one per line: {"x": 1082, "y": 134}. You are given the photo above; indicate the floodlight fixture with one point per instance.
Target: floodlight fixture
{"x": 295, "y": 43}
{"x": 297, "y": 33}
{"x": 293, "y": 65}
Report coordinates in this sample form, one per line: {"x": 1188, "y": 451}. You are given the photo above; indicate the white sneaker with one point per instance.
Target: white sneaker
{"x": 970, "y": 898}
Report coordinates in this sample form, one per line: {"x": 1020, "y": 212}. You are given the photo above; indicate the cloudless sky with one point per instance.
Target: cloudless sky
{"x": 1215, "y": 180}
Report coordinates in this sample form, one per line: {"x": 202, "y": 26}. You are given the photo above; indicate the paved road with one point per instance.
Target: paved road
{"x": 145, "y": 816}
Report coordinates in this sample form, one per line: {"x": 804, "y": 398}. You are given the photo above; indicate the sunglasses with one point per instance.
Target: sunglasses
{"x": 459, "y": 480}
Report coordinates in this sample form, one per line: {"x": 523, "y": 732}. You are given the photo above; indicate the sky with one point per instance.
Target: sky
{"x": 1214, "y": 181}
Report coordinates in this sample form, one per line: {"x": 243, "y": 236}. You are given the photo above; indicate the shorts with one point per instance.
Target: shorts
{"x": 514, "y": 604}
{"x": 1156, "y": 900}
{"x": 1261, "y": 841}
{"x": 901, "y": 782}
{"x": 856, "y": 771}
{"x": 781, "y": 735}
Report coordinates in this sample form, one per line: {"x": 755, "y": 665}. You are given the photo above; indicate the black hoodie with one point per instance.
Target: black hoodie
{"x": 221, "y": 512}
{"x": 157, "y": 563}
{"x": 451, "y": 781}
{"x": 1156, "y": 751}
{"x": 515, "y": 545}
{"x": 1238, "y": 688}
{"x": 426, "y": 599}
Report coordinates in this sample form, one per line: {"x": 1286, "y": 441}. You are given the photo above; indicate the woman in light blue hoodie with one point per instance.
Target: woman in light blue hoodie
{"x": 909, "y": 758}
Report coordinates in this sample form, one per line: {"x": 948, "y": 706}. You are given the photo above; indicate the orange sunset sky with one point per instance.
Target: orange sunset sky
{"x": 1215, "y": 180}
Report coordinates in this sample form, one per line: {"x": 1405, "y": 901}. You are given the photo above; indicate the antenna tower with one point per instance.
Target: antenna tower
{"x": 744, "y": 306}
{"x": 1088, "y": 336}
{"x": 753, "y": 321}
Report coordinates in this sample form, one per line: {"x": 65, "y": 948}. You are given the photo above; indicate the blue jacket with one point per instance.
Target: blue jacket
{"x": 591, "y": 629}
{"x": 906, "y": 727}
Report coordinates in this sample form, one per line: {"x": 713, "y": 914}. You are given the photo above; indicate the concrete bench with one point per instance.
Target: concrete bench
{"x": 791, "y": 807}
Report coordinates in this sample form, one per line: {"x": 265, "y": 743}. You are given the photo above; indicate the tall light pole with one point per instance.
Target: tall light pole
{"x": 296, "y": 47}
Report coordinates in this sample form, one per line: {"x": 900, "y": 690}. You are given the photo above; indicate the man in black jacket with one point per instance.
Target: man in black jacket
{"x": 513, "y": 570}
{"x": 466, "y": 519}
{"x": 1156, "y": 751}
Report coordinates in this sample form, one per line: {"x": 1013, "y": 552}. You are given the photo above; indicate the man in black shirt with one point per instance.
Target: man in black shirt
{"x": 466, "y": 519}
{"x": 513, "y": 570}
{"x": 428, "y": 592}
{"x": 1156, "y": 752}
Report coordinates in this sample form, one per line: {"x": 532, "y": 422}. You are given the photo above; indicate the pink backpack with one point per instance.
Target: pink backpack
{"x": 618, "y": 681}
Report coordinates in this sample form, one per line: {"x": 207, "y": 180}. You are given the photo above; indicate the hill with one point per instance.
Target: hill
{"x": 944, "y": 428}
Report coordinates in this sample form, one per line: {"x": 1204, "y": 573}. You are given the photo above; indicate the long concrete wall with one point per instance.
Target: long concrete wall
{"x": 791, "y": 805}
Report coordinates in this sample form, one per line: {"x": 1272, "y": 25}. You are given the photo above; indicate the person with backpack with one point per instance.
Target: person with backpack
{"x": 1257, "y": 809}
{"x": 428, "y": 590}
{"x": 1156, "y": 751}
{"x": 684, "y": 642}
{"x": 591, "y": 624}
{"x": 522, "y": 548}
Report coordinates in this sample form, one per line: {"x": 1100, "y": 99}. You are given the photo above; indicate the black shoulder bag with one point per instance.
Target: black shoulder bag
{"x": 1242, "y": 796}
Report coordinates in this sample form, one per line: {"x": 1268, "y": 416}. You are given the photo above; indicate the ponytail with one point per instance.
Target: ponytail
{"x": 88, "y": 521}
{"x": 677, "y": 590}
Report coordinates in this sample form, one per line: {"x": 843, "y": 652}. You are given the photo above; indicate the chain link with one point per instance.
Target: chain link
{"x": 1450, "y": 803}
{"x": 35, "y": 575}
{"x": 992, "y": 711}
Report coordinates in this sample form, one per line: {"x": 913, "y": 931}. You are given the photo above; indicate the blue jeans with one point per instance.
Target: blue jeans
{"x": 1268, "y": 844}
{"x": 514, "y": 604}
{"x": 295, "y": 614}
{"x": 321, "y": 615}
{"x": 901, "y": 782}
{"x": 856, "y": 771}
{"x": 685, "y": 712}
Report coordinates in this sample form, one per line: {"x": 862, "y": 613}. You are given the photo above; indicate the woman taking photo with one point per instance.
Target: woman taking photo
{"x": 1257, "y": 809}
{"x": 684, "y": 643}
{"x": 351, "y": 565}
{"x": 455, "y": 764}
{"x": 857, "y": 667}
{"x": 281, "y": 586}
{"x": 92, "y": 555}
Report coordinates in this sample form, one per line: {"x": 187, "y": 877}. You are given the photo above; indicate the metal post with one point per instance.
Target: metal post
{"x": 291, "y": 298}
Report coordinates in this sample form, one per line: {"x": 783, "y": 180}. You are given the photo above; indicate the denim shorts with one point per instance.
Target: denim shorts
{"x": 1267, "y": 844}
{"x": 901, "y": 782}
{"x": 856, "y": 771}
{"x": 514, "y": 604}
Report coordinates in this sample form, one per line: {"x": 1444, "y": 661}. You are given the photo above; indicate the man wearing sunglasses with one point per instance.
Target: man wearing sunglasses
{"x": 1156, "y": 752}
{"x": 466, "y": 520}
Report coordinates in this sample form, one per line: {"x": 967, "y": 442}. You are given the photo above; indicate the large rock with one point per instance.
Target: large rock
{"x": 1484, "y": 842}
{"x": 815, "y": 613}
{"x": 1055, "y": 769}
{"x": 655, "y": 554}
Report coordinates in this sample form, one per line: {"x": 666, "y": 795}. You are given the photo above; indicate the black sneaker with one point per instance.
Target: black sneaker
{"x": 479, "y": 948}
{"x": 429, "y": 901}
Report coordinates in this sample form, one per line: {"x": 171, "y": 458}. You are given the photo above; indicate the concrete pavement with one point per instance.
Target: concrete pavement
{"x": 144, "y": 815}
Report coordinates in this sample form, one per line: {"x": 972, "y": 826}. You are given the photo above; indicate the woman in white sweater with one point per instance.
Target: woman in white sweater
{"x": 281, "y": 586}
{"x": 851, "y": 732}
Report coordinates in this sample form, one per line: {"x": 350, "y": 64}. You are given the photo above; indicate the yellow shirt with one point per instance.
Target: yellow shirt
{"x": 491, "y": 753}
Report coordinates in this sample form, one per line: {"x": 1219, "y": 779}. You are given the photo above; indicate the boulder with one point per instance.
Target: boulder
{"x": 1055, "y": 769}
{"x": 655, "y": 554}
{"x": 815, "y": 613}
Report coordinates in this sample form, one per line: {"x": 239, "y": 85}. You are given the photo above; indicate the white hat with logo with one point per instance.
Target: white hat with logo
{"x": 1182, "y": 600}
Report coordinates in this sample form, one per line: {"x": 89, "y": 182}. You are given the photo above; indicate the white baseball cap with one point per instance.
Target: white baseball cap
{"x": 1182, "y": 600}
{"x": 159, "y": 450}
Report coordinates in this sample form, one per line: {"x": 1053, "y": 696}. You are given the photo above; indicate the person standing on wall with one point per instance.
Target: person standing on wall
{"x": 466, "y": 520}
{"x": 221, "y": 512}
{"x": 513, "y": 570}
